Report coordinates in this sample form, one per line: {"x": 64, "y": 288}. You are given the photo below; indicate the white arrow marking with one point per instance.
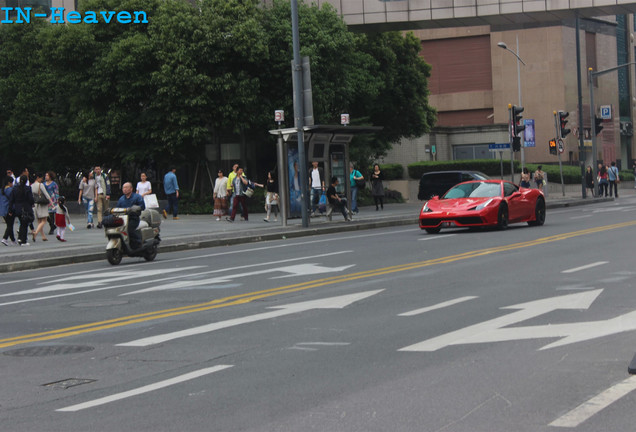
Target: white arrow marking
{"x": 491, "y": 331}
{"x": 293, "y": 270}
{"x": 587, "y": 409}
{"x": 145, "y": 389}
{"x": 328, "y": 303}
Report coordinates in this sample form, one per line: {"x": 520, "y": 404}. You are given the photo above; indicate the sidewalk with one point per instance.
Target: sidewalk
{"x": 200, "y": 231}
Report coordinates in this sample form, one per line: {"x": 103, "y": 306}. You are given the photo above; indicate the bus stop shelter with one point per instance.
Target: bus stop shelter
{"x": 326, "y": 144}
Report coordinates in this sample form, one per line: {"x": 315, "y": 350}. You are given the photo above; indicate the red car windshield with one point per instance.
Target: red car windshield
{"x": 474, "y": 190}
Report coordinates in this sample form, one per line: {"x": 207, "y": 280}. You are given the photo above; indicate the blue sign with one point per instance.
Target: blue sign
{"x": 499, "y": 147}
{"x": 528, "y": 133}
{"x": 606, "y": 112}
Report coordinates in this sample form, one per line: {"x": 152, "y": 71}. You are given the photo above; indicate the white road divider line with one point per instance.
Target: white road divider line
{"x": 585, "y": 267}
{"x": 145, "y": 389}
{"x": 593, "y": 406}
{"x": 436, "y": 237}
{"x": 438, "y": 306}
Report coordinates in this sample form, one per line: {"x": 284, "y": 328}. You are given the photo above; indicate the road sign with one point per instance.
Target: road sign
{"x": 528, "y": 133}
{"x": 433, "y": 149}
{"x": 498, "y": 147}
{"x": 606, "y": 112}
{"x": 560, "y": 145}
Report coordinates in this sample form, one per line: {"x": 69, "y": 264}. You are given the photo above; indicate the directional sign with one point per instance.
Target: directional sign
{"x": 339, "y": 302}
{"x": 494, "y": 331}
{"x": 498, "y": 147}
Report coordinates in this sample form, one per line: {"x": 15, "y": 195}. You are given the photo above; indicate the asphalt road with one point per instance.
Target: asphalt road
{"x": 393, "y": 329}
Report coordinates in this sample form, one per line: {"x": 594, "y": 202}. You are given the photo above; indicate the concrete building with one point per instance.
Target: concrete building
{"x": 473, "y": 80}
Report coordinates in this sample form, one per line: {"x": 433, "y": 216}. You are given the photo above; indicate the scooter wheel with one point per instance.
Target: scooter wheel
{"x": 114, "y": 256}
{"x": 151, "y": 254}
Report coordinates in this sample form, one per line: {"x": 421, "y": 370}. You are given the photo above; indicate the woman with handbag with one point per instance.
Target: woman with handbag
{"x": 42, "y": 202}
{"x": 21, "y": 202}
{"x": 377, "y": 189}
{"x": 243, "y": 189}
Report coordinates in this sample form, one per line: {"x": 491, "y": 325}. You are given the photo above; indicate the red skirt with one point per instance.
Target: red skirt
{"x": 60, "y": 220}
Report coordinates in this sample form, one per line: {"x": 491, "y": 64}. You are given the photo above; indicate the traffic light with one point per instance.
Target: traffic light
{"x": 517, "y": 120}
{"x": 562, "y": 123}
{"x": 516, "y": 144}
{"x": 598, "y": 125}
{"x": 553, "y": 147}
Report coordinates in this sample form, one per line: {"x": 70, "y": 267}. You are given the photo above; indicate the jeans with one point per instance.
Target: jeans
{"x": 602, "y": 186}
{"x": 239, "y": 200}
{"x": 173, "y": 204}
{"x": 8, "y": 233}
{"x": 89, "y": 205}
{"x": 354, "y": 199}
{"x": 315, "y": 198}
{"x": 613, "y": 185}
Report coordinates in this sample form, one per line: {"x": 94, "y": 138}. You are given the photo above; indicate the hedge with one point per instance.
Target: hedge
{"x": 491, "y": 167}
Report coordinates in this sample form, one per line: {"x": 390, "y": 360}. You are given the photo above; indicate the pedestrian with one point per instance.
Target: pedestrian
{"x": 357, "y": 182}
{"x": 377, "y": 189}
{"x": 525, "y": 178}
{"x": 271, "y": 198}
{"x": 603, "y": 183}
{"x": 21, "y": 202}
{"x": 230, "y": 187}
{"x": 144, "y": 187}
{"x": 87, "y": 195}
{"x": 62, "y": 219}
{"x": 316, "y": 184}
{"x": 103, "y": 194}
{"x": 10, "y": 174}
{"x": 54, "y": 192}
{"x": 539, "y": 178}
{"x": 220, "y": 195}
{"x": 335, "y": 201}
{"x": 5, "y": 211}
{"x": 241, "y": 187}
{"x": 589, "y": 179}
{"x": 613, "y": 178}
{"x": 171, "y": 188}
{"x": 42, "y": 202}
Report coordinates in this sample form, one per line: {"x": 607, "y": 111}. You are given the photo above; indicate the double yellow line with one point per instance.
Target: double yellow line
{"x": 249, "y": 297}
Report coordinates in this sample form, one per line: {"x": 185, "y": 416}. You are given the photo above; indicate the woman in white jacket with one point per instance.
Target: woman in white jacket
{"x": 220, "y": 196}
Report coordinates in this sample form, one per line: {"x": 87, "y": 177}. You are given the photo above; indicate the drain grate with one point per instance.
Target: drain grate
{"x": 68, "y": 383}
{"x": 48, "y": 350}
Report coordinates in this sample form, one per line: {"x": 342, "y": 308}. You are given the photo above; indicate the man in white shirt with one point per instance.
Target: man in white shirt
{"x": 317, "y": 185}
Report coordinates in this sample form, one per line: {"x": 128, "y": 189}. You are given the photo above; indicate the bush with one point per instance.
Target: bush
{"x": 390, "y": 196}
{"x": 492, "y": 168}
{"x": 391, "y": 171}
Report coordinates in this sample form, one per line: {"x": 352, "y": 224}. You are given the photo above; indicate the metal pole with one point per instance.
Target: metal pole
{"x": 556, "y": 127}
{"x": 283, "y": 187}
{"x": 523, "y": 159}
{"x": 593, "y": 129}
{"x": 298, "y": 112}
{"x": 580, "y": 110}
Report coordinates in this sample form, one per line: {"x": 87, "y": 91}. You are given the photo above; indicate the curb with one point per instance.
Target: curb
{"x": 183, "y": 243}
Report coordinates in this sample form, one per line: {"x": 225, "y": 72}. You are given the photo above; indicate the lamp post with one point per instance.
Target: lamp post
{"x": 516, "y": 54}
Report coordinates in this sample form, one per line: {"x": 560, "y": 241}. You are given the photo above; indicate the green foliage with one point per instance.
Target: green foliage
{"x": 390, "y": 196}
{"x": 492, "y": 168}
{"x": 390, "y": 171}
{"x": 194, "y": 75}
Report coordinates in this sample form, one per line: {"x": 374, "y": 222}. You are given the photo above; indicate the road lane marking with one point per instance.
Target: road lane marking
{"x": 585, "y": 267}
{"x": 438, "y": 306}
{"x": 598, "y": 403}
{"x": 436, "y": 237}
{"x": 339, "y": 302}
{"x": 581, "y": 217}
{"x": 248, "y": 297}
{"x": 145, "y": 389}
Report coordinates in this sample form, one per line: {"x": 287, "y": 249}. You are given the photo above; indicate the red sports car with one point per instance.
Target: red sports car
{"x": 483, "y": 203}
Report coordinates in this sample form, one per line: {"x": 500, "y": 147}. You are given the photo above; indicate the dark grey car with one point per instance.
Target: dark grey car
{"x": 438, "y": 182}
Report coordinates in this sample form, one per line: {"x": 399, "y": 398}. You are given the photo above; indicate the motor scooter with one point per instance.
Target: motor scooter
{"x": 116, "y": 230}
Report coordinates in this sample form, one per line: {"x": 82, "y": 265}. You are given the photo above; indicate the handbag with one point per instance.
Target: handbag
{"x": 150, "y": 201}
{"x": 360, "y": 183}
{"x": 249, "y": 192}
{"x": 40, "y": 198}
{"x": 27, "y": 216}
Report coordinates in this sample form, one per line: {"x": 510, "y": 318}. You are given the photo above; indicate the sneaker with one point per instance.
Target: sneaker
{"x": 313, "y": 214}
{"x": 265, "y": 219}
{"x": 5, "y": 242}
{"x": 25, "y": 244}
{"x": 88, "y": 226}
{"x": 175, "y": 218}
{"x": 218, "y": 219}
{"x": 99, "y": 225}
{"x": 229, "y": 220}
{"x": 164, "y": 214}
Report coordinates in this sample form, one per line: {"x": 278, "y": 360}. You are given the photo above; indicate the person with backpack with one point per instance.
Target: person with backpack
{"x": 21, "y": 202}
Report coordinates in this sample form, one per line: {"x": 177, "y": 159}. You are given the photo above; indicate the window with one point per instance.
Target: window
{"x": 509, "y": 189}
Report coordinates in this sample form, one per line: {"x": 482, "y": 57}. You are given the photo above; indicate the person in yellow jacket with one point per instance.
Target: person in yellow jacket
{"x": 230, "y": 182}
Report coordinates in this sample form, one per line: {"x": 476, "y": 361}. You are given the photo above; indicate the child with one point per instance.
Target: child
{"x": 61, "y": 218}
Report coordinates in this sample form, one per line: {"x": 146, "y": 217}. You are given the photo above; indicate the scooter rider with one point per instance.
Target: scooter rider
{"x": 127, "y": 200}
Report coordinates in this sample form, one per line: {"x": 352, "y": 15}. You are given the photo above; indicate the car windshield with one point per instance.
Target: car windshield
{"x": 474, "y": 190}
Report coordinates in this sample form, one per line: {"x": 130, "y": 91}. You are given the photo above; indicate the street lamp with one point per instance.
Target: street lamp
{"x": 516, "y": 54}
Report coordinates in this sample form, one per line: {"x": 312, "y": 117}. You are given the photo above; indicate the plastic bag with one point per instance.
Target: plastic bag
{"x": 322, "y": 203}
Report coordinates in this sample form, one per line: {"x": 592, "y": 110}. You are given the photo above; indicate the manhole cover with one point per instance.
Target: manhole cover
{"x": 101, "y": 303}
{"x": 68, "y": 383}
{"x": 43, "y": 351}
